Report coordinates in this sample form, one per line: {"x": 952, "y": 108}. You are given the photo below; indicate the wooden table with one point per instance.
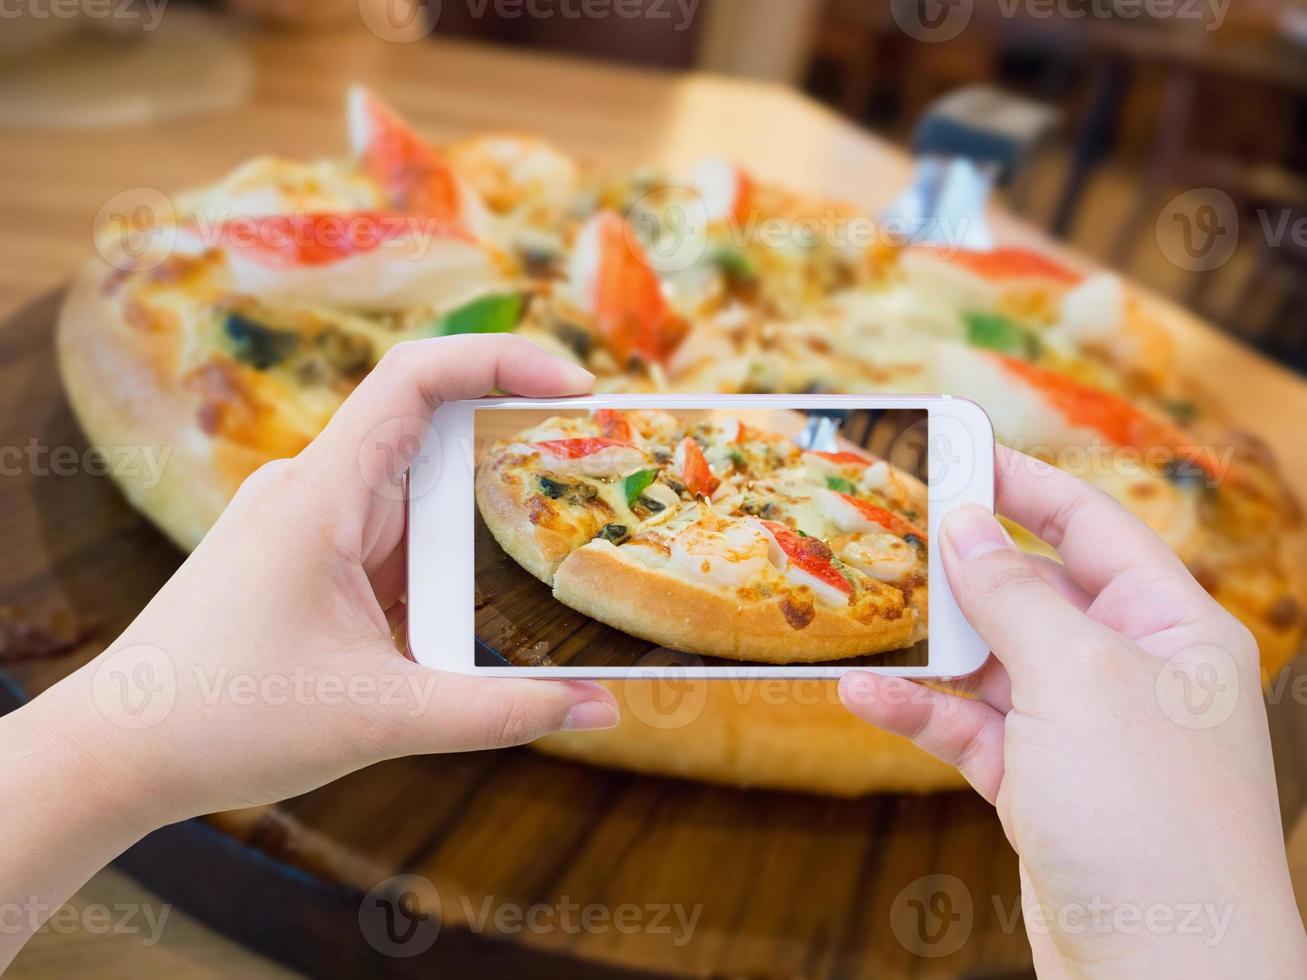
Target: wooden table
{"x": 52, "y": 183}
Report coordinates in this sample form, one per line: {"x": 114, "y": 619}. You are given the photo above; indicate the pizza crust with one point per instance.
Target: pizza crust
{"x": 539, "y": 550}
{"x": 125, "y": 392}
{"x": 603, "y": 583}
{"x": 785, "y": 735}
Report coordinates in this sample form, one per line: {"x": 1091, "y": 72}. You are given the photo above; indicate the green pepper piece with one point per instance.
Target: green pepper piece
{"x": 735, "y": 265}
{"x": 496, "y": 313}
{"x": 636, "y": 484}
{"x": 993, "y": 331}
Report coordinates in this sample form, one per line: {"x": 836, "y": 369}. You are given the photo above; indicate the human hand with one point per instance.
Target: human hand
{"x": 269, "y": 654}
{"x": 1118, "y": 794}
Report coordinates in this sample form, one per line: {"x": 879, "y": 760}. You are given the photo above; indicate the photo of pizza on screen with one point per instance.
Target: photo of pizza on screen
{"x": 721, "y": 537}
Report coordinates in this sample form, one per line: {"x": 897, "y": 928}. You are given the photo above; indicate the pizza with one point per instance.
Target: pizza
{"x": 231, "y": 324}
{"x": 713, "y": 537}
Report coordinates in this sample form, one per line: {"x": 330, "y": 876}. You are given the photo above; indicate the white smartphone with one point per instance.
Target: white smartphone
{"x": 713, "y": 536}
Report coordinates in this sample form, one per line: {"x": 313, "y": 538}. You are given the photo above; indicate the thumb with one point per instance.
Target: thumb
{"x": 376, "y": 433}
{"x": 450, "y": 712}
{"x": 1011, "y": 606}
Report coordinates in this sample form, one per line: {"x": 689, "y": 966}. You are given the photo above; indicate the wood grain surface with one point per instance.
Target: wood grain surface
{"x": 781, "y": 885}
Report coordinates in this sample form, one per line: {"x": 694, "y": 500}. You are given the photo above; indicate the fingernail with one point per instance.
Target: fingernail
{"x": 591, "y": 716}
{"x": 581, "y": 375}
{"x": 972, "y": 531}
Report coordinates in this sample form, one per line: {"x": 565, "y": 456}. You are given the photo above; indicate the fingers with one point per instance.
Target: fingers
{"x": 358, "y": 463}
{"x": 381, "y": 426}
{"x": 990, "y": 684}
{"x": 965, "y": 734}
{"x": 460, "y": 713}
{"x": 1097, "y": 537}
{"x": 1023, "y": 618}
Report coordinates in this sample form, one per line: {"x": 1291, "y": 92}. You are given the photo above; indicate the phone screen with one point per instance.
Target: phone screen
{"x": 713, "y": 537}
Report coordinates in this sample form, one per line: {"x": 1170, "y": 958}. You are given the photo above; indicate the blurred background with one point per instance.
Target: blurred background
{"x": 1146, "y": 101}
{"x": 1163, "y": 138}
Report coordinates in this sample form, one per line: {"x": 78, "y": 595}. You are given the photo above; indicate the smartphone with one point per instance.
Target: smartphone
{"x": 646, "y": 536}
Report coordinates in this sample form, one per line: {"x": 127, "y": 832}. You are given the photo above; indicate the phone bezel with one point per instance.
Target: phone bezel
{"x": 441, "y": 587}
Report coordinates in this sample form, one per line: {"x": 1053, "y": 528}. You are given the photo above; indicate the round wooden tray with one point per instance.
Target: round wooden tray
{"x": 781, "y": 885}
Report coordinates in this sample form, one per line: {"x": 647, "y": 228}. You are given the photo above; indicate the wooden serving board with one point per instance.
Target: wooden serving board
{"x": 779, "y": 884}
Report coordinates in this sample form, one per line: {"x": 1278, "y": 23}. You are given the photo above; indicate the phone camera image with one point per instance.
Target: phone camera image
{"x": 717, "y": 537}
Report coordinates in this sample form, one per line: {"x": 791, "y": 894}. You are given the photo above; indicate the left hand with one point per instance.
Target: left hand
{"x": 266, "y": 665}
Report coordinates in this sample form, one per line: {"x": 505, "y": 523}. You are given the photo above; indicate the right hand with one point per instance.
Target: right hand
{"x": 1119, "y": 730}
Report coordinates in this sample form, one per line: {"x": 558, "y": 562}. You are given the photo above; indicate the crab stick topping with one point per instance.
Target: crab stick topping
{"x": 689, "y": 461}
{"x": 1002, "y": 264}
{"x": 724, "y": 188}
{"x": 810, "y": 556}
{"x": 576, "y": 448}
{"x": 373, "y": 260}
{"x": 854, "y": 514}
{"x": 412, "y": 175}
{"x": 613, "y": 424}
{"x": 621, "y": 289}
{"x": 1112, "y": 417}
{"x": 601, "y": 458}
{"x": 290, "y": 241}
{"x": 843, "y": 459}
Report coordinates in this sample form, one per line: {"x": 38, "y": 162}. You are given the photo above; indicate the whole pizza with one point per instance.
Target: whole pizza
{"x": 231, "y": 327}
